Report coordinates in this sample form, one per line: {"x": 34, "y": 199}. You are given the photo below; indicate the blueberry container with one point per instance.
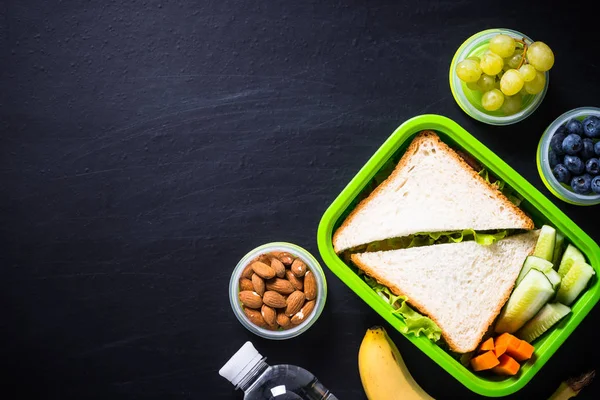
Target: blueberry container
{"x": 535, "y": 204}
{"x": 562, "y": 191}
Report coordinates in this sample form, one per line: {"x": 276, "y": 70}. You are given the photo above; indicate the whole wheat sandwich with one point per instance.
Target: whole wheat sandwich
{"x": 460, "y": 286}
{"x": 432, "y": 189}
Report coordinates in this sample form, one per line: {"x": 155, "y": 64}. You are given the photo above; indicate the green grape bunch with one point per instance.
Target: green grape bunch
{"x": 508, "y": 70}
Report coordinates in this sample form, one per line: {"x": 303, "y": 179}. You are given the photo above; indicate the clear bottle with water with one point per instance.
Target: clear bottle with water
{"x": 248, "y": 370}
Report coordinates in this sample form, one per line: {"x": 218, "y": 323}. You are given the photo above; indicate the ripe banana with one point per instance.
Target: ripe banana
{"x": 383, "y": 373}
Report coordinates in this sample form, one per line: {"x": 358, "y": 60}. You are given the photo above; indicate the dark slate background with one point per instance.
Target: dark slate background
{"x": 147, "y": 145}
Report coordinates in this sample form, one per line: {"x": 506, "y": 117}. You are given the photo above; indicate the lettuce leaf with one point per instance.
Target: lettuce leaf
{"x": 506, "y": 190}
{"x": 427, "y": 239}
{"x": 415, "y": 323}
{"x": 481, "y": 238}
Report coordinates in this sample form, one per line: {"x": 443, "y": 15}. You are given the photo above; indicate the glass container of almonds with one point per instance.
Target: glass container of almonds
{"x": 278, "y": 290}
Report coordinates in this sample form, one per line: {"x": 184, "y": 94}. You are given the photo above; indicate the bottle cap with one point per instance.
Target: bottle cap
{"x": 246, "y": 358}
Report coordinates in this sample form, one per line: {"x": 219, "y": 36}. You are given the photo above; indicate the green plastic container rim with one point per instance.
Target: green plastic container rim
{"x": 541, "y": 209}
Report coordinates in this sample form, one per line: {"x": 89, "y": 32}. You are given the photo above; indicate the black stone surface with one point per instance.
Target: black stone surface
{"x": 147, "y": 145}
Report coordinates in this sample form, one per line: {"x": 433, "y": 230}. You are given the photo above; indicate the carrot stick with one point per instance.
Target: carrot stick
{"x": 487, "y": 345}
{"x": 523, "y": 352}
{"x": 486, "y": 360}
{"x": 507, "y": 366}
{"x": 513, "y": 346}
{"x": 503, "y": 341}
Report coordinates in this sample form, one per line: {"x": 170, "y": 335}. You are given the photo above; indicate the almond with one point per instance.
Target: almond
{"x": 295, "y": 301}
{"x": 298, "y": 267}
{"x": 281, "y": 286}
{"x": 258, "y": 284}
{"x": 263, "y": 270}
{"x": 246, "y": 284}
{"x": 250, "y": 299}
{"x": 278, "y": 266}
{"x": 269, "y": 315}
{"x": 247, "y": 272}
{"x": 274, "y": 299}
{"x": 304, "y": 312}
{"x": 310, "y": 286}
{"x": 264, "y": 258}
{"x": 283, "y": 320}
{"x": 286, "y": 258}
{"x": 255, "y": 317}
{"x": 296, "y": 282}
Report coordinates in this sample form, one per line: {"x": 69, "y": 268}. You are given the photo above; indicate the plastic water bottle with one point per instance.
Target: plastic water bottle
{"x": 248, "y": 371}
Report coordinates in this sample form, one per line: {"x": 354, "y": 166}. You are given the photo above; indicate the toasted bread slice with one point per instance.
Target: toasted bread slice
{"x": 432, "y": 189}
{"x": 461, "y": 286}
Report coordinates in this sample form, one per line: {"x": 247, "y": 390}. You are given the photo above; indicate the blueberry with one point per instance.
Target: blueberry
{"x": 596, "y": 185}
{"x": 562, "y": 173}
{"x": 574, "y": 164}
{"x": 592, "y": 166}
{"x": 574, "y": 126}
{"x": 587, "y": 150}
{"x": 597, "y": 149}
{"x": 572, "y": 144}
{"x": 556, "y": 141}
{"x": 581, "y": 184}
{"x": 591, "y": 126}
{"x": 553, "y": 159}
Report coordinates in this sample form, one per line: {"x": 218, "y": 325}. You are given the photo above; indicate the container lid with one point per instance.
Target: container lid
{"x": 242, "y": 362}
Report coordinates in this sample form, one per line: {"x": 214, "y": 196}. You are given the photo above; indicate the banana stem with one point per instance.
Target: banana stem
{"x": 564, "y": 392}
{"x": 571, "y": 387}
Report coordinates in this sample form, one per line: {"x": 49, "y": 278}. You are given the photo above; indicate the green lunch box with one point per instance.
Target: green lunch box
{"x": 535, "y": 204}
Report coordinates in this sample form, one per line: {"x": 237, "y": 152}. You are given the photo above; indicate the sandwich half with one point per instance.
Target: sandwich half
{"x": 432, "y": 189}
{"x": 461, "y": 286}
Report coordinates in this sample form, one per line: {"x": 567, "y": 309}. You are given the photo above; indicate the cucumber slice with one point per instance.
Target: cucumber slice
{"x": 558, "y": 248}
{"x": 570, "y": 255}
{"x": 525, "y": 301}
{"x": 549, "y": 315}
{"x": 554, "y": 278}
{"x": 536, "y": 263}
{"x": 544, "y": 248}
{"x": 574, "y": 282}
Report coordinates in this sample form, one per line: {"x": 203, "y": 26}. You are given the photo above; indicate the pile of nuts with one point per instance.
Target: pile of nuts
{"x": 277, "y": 291}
